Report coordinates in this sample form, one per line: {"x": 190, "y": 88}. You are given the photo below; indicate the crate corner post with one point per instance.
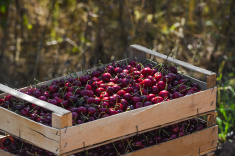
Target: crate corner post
{"x": 61, "y": 121}
{"x": 138, "y": 54}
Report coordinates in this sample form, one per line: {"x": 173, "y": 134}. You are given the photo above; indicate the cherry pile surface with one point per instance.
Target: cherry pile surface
{"x": 147, "y": 139}
{"x": 121, "y": 147}
{"x": 104, "y": 92}
{"x": 21, "y": 148}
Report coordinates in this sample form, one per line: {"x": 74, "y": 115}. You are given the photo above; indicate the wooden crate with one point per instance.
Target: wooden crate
{"x": 199, "y": 143}
{"x": 63, "y": 138}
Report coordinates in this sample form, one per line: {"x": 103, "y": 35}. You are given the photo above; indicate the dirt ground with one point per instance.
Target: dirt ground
{"x": 227, "y": 148}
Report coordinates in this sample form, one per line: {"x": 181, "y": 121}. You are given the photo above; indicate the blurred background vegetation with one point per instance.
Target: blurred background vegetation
{"x": 43, "y": 39}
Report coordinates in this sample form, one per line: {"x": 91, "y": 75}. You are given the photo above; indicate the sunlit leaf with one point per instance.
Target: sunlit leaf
{"x": 172, "y": 28}
{"x": 30, "y": 26}
{"x": 3, "y": 9}
{"x": 149, "y": 18}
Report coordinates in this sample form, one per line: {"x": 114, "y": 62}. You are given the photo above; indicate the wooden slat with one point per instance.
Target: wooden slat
{"x": 61, "y": 121}
{"x": 139, "y": 132}
{"x": 202, "y": 85}
{"x": 192, "y": 144}
{"x": 184, "y": 64}
{"x": 115, "y": 126}
{"x": 211, "y": 80}
{"x": 210, "y": 152}
{"x": 136, "y": 54}
{"x": 31, "y": 99}
{"x": 211, "y": 119}
{"x": 38, "y": 134}
{"x": 80, "y": 73}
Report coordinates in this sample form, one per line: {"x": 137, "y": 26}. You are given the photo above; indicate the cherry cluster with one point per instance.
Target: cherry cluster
{"x": 109, "y": 90}
{"x": 147, "y": 139}
{"x": 121, "y": 147}
{"x": 21, "y": 148}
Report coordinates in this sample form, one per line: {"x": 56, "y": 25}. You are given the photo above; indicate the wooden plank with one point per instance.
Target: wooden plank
{"x": 202, "y": 85}
{"x": 188, "y": 145}
{"x": 61, "y": 121}
{"x": 211, "y": 81}
{"x": 117, "y": 125}
{"x": 209, "y": 152}
{"x": 36, "y": 133}
{"x": 184, "y": 64}
{"x": 80, "y": 73}
{"x": 138, "y": 55}
{"x": 139, "y": 132}
{"x": 31, "y": 99}
{"x": 211, "y": 119}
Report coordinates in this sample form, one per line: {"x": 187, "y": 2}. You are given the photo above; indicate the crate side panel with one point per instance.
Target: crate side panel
{"x": 192, "y": 144}
{"x": 38, "y": 134}
{"x": 170, "y": 59}
{"x": 140, "y": 119}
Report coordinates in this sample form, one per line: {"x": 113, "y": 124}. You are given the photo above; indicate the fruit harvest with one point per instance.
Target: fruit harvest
{"x": 106, "y": 91}
{"x": 120, "y": 147}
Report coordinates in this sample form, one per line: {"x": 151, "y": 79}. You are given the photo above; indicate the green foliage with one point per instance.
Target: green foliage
{"x": 225, "y": 103}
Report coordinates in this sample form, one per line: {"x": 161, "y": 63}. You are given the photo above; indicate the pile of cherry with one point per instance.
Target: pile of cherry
{"x": 20, "y": 148}
{"x": 104, "y": 92}
{"x": 147, "y": 139}
{"x": 127, "y": 145}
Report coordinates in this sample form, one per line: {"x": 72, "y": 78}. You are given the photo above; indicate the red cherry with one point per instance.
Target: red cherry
{"x": 147, "y": 103}
{"x": 118, "y": 106}
{"x": 124, "y": 102}
{"x": 91, "y": 111}
{"x": 135, "y": 99}
{"x": 158, "y": 76}
{"x": 161, "y": 85}
{"x": 173, "y": 69}
{"x": 147, "y": 82}
{"x": 155, "y": 89}
{"x": 112, "y": 111}
{"x": 151, "y": 96}
{"x": 146, "y": 71}
{"x": 82, "y": 110}
{"x": 157, "y": 99}
{"x": 164, "y": 94}
{"x": 106, "y": 77}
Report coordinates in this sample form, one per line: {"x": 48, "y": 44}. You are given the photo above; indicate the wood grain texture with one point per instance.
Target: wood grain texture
{"x": 170, "y": 59}
{"x": 138, "y": 55}
{"x": 125, "y": 123}
{"x": 61, "y": 121}
{"x": 139, "y": 132}
{"x": 211, "y": 81}
{"x": 80, "y": 73}
{"x": 193, "y": 144}
{"x": 31, "y": 99}
{"x": 38, "y": 134}
{"x": 211, "y": 119}
{"x": 202, "y": 85}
